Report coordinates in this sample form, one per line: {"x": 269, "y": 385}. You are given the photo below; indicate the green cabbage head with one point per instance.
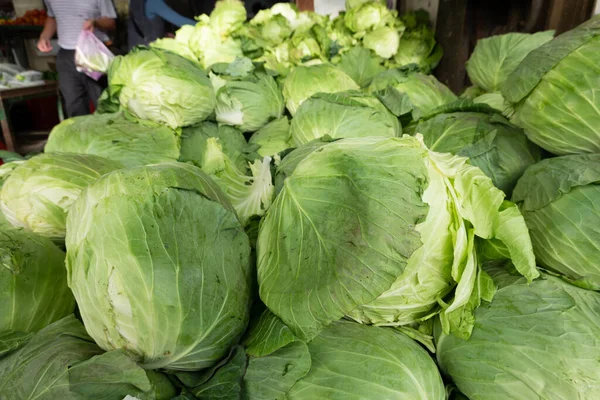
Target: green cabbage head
{"x": 371, "y": 362}
{"x": 39, "y": 192}
{"x": 303, "y": 82}
{"x": 382, "y": 230}
{"x": 160, "y": 86}
{"x": 33, "y": 281}
{"x": 116, "y": 137}
{"x": 554, "y": 92}
{"x": 342, "y": 115}
{"x": 560, "y": 200}
{"x": 500, "y": 149}
{"x": 159, "y": 265}
{"x": 538, "y": 340}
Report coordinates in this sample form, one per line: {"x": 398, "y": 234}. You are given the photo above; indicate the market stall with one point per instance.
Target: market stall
{"x": 299, "y": 205}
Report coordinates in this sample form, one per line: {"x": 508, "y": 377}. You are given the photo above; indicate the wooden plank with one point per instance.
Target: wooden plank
{"x": 564, "y": 15}
{"x": 453, "y": 35}
{"x": 305, "y": 5}
{"x": 9, "y": 139}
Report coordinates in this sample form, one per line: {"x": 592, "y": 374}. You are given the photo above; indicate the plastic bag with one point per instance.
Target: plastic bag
{"x": 92, "y": 57}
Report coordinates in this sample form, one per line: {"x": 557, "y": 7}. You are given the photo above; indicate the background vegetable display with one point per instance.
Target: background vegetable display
{"x": 535, "y": 340}
{"x": 560, "y": 199}
{"x": 292, "y": 207}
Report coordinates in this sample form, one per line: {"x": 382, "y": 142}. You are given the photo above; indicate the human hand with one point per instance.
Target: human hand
{"x": 44, "y": 45}
{"x": 89, "y": 25}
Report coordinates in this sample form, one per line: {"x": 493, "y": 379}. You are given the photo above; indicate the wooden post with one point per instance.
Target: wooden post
{"x": 453, "y": 35}
{"x": 305, "y": 5}
{"x": 564, "y": 15}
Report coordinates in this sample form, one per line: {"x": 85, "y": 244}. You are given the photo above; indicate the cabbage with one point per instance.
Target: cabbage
{"x": 39, "y": 192}
{"x": 161, "y": 86}
{"x": 499, "y": 149}
{"x": 383, "y": 231}
{"x": 361, "y": 65}
{"x": 303, "y": 82}
{"x": 345, "y": 361}
{"x": 62, "y": 362}
{"x": 175, "y": 46}
{"x": 383, "y": 41}
{"x": 273, "y": 138}
{"x": 249, "y": 102}
{"x": 342, "y": 115}
{"x": 209, "y": 46}
{"x": 227, "y": 16}
{"x": 559, "y": 198}
{"x": 496, "y": 57}
{"x": 194, "y": 138}
{"x": 116, "y": 137}
{"x": 368, "y": 16}
{"x": 418, "y": 48}
{"x": 418, "y": 94}
{"x": 33, "y": 281}
{"x": 538, "y": 340}
{"x": 554, "y": 92}
{"x": 159, "y": 265}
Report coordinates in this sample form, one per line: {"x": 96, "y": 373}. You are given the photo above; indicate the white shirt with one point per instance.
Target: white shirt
{"x": 71, "y": 14}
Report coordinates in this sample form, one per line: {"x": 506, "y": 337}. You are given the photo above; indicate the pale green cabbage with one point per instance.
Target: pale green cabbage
{"x": 33, "y": 281}
{"x": 39, "y": 192}
{"x": 381, "y": 230}
{"x": 538, "y": 340}
{"x": 159, "y": 265}
{"x": 161, "y": 86}
{"x": 560, "y": 200}
{"x": 116, "y": 137}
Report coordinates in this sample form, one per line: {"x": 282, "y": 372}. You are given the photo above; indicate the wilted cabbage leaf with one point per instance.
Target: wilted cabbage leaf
{"x": 115, "y": 137}
{"x": 560, "y": 200}
{"x": 39, "y": 192}
{"x": 535, "y": 340}
{"x": 159, "y": 265}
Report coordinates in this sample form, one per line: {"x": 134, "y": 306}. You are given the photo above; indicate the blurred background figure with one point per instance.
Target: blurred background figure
{"x": 68, "y": 18}
{"x": 148, "y": 19}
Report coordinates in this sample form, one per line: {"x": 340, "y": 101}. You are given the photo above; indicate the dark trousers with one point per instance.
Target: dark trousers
{"x": 77, "y": 89}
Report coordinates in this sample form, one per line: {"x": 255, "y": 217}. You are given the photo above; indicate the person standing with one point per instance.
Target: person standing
{"x": 147, "y": 21}
{"x": 68, "y": 18}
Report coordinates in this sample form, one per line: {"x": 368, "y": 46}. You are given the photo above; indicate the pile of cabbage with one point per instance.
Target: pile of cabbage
{"x": 291, "y": 207}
